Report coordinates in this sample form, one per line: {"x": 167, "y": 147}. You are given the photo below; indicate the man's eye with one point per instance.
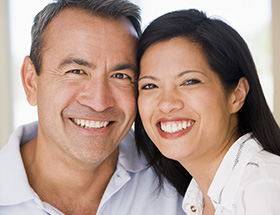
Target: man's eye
{"x": 121, "y": 76}
{"x": 148, "y": 86}
{"x": 191, "y": 82}
{"x": 76, "y": 71}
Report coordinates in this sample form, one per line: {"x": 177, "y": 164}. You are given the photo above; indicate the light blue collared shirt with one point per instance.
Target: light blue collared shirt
{"x": 132, "y": 189}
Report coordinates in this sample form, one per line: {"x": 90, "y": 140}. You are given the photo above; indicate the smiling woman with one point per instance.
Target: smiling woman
{"x": 202, "y": 112}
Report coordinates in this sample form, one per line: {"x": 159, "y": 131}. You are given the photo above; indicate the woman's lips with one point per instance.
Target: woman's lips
{"x": 174, "y": 128}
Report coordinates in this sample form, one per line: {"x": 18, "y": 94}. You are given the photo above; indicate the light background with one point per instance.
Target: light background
{"x": 251, "y": 18}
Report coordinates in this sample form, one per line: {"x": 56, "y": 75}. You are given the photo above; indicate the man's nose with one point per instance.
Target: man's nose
{"x": 97, "y": 94}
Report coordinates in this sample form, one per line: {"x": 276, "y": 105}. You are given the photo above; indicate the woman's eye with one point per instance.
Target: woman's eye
{"x": 148, "y": 86}
{"x": 191, "y": 82}
{"x": 76, "y": 71}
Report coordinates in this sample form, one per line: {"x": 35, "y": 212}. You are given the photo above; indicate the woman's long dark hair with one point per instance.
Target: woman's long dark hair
{"x": 227, "y": 55}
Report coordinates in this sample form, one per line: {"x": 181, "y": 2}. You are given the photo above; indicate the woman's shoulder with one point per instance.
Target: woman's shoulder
{"x": 263, "y": 167}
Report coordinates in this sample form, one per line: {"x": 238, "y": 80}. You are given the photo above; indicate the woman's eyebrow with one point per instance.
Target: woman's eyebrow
{"x": 148, "y": 77}
{"x": 178, "y": 76}
{"x": 191, "y": 71}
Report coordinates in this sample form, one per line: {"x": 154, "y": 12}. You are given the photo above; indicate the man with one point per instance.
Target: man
{"x": 81, "y": 76}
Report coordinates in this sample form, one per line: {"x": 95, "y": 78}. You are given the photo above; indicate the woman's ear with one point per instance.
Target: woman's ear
{"x": 239, "y": 95}
{"x": 29, "y": 80}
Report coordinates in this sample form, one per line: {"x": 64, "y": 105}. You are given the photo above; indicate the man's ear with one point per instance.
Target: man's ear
{"x": 29, "y": 80}
{"x": 239, "y": 95}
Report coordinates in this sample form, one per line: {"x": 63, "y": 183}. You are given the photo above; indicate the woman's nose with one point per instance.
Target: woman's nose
{"x": 170, "y": 101}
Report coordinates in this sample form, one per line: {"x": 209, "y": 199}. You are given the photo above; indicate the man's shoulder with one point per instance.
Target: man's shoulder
{"x": 141, "y": 193}
{"x": 14, "y": 177}
{"x": 129, "y": 138}
{"x": 135, "y": 181}
{"x": 129, "y": 157}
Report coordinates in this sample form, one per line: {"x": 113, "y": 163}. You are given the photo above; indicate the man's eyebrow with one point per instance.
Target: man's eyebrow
{"x": 125, "y": 66}
{"x": 78, "y": 61}
{"x": 82, "y": 62}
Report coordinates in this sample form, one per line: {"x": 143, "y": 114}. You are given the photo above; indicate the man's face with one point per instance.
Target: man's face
{"x": 85, "y": 93}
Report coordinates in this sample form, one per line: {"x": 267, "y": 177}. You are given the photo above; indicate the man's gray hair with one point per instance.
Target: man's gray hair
{"x": 111, "y": 9}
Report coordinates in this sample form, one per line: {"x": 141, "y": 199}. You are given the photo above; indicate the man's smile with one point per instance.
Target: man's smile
{"x": 90, "y": 124}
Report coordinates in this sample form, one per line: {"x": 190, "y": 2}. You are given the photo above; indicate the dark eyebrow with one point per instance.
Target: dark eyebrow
{"x": 178, "y": 76}
{"x": 125, "y": 66}
{"x": 189, "y": 71}
{"x": 85, "y": 63}
{"x": 78, "y": 61}
{"x": 148, "y": 77}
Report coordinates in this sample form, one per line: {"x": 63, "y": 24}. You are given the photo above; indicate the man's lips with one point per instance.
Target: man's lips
{"x": 90, "y": 124}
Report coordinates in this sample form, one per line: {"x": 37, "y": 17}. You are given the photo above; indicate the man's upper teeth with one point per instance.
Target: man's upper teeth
{"x": 172, "y": 127}
{"x": 91, "y": 124}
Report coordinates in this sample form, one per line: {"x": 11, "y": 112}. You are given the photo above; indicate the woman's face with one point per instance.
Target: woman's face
{"x": 182, "y": 103}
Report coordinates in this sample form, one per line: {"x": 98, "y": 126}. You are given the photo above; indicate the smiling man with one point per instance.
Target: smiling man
{"x": 80, "y": 157}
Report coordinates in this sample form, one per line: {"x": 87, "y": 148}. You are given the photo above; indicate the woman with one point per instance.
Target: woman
{"x": 204, "y": 112}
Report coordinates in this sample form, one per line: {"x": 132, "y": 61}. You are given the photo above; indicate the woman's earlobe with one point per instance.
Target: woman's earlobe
{"x": 239, "y": 94}
{"x": 29, "y": 80}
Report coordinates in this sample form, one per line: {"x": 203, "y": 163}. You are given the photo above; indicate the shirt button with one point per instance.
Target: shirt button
{"x": 193, "y": 208}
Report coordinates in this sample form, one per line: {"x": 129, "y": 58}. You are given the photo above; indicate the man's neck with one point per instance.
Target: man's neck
{"x": 67, "y": 187}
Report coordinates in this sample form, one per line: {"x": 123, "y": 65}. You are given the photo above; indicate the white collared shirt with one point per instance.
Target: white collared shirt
{"x": 131, "y": 190}
{"x": 247, "y": 182}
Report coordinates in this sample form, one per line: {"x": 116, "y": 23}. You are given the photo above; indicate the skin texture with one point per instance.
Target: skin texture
{"x": 177, "y": 86}
{"x": 88, "y": 74}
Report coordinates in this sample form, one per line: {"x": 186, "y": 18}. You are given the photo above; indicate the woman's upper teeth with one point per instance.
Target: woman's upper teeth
{"x": 175, "y": 126}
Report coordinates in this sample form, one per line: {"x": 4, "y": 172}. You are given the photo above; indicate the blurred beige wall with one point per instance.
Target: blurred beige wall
{"x": 5, "y": 71}
{"x": 276, "y": 56}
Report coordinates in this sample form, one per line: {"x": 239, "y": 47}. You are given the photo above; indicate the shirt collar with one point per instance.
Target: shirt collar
{"x": 227, "y": 178}
{"x": 229, "y": 174}
{"x": 129, "y": 158}
{"x": 193, "y": 202}
{"x": 14, "y": 184}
